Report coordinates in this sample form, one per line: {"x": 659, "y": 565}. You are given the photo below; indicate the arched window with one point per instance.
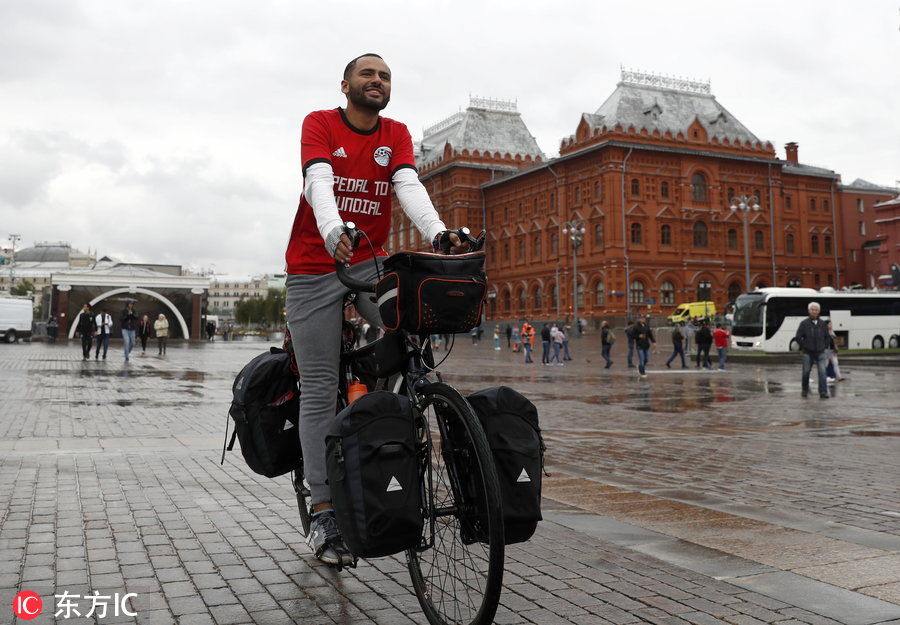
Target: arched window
{"x": 665, "y": 235}
{"x": 758, "y": 241}
{"x": 698, "y": 187}
{"x": 522, "y": 300}
{"x": 554, "y": 244}
{"x": 600, "y": 294}
{"x": 538, "y": 298}
{"x": 505, "y": 302}
{"x": 635, "y": 186}
{"x": 663, "y": 189}
{"x": 636, "y": 292}
{"x": 536, "y": 246}
{"x": 704, "y": 290}
{"x": 732, "y": 239}
{"x": 597, "y": 189}
{"x": 701, "y": 234}
{"x": 598, "y": 235}
{"x": 667, "y": 293}
{"x": 578, "y": 195}
{"x": 636, "y": 235}
{"x": 734, "y": 289}
{"x": 579, "y": 294}
{"x": 828, "y": 246}
{"x": 812, "y": 204}
{"x": 789, "y": 243}
{"x": 520, "y": 244}
{"x": 730, "y": 194}
{"x": 505, "y": 252}
{"x": 814, "y": 244}
{"x": 554, "y": 296}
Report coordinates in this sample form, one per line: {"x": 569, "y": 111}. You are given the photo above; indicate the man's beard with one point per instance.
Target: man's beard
{"x": 360, "y": 99}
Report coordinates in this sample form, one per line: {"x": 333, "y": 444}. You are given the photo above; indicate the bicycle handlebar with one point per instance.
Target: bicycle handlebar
{"x": 350, "y": 229}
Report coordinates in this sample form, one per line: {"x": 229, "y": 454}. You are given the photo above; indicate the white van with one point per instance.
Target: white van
{"x": 16, "y": 314}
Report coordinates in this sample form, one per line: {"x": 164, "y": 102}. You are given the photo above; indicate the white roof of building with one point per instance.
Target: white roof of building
{"x": 667, "y": 104}
{"x": 486, "y": 125}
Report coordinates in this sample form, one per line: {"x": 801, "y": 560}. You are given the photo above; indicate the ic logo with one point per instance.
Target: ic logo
{"x": 27, "y": 605}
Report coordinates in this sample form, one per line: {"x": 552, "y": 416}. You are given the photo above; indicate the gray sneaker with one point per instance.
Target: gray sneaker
{"x": 326, "y": 542}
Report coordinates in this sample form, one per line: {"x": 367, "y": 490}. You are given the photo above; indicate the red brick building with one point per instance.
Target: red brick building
{"x": 887, "y": 233}
{"x": 650, "y": 176}
{"x": 861, "y": 246}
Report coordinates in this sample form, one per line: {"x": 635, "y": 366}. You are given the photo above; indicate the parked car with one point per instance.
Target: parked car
{"x": 16, "y": 316}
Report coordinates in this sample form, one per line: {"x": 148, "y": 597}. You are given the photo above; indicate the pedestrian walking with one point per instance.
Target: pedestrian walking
{"x": 567, "y": 330}
{"x": 643, "y": 338}
{"x": 545, "y": 344}
{"x": 86, "y": 325}
{"x": 720, "y": 337}
{"x": 144, "y": 333}
{"x": 607, "y": 339}
{"x": 128, "y": 320}
{"x": 832, "y": 357}
{"x": 704, "y": 339}
{"x": 52, "y": 328}
{"x": 509, "y": 332}
{"x": 814, "y": 338}
{"x": 689, "y": 329}
{"x": 435, "y": 342}
{"x": 104, "y": 324}
{"x": 557, "y": 340}
{"x": 527, "y": 340}
{"x": 516, "y": 344}
{"x": 677, "y": 347}
{"x": 161, "y": 328}
{"x": 210, "y": 330}
{"x": 629, "y": 335}
{"x": 496, "y": 338}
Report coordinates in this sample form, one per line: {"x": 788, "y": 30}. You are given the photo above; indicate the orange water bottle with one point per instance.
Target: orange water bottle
{"x": 355, "y": 390}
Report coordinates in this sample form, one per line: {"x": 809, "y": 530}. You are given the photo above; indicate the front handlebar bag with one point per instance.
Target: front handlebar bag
{"x": 372, "y": 463}
{"x": 432, "y": 293}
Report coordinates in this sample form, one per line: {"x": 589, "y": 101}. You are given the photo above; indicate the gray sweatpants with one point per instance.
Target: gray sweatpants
{"x": 314, "y": 315}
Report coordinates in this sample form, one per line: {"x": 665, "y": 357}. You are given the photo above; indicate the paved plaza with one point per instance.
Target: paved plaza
{"x": 690, "y": 496}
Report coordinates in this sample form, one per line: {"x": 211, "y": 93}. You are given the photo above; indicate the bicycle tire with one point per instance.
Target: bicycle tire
{"x": 458, "y": 580}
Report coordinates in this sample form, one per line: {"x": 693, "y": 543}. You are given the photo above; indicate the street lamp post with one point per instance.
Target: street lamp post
{"x": 575, "y": 231}
{"x": 13, "y": 238}
{"x": 745, "y": 204}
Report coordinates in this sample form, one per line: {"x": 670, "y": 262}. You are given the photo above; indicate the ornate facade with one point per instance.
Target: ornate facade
{"x": 650, "y": 176}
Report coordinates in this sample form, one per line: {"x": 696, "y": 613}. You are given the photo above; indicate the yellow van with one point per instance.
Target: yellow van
{"x": 690, "y": 310}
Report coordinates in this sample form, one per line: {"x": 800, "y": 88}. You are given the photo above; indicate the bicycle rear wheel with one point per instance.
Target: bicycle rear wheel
{"x": 457, "y": 572}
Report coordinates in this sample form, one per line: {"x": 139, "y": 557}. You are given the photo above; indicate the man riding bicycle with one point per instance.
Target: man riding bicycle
{"x": 351, "y": 158}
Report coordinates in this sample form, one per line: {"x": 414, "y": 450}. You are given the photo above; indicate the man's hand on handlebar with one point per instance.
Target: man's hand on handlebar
{"x": 459, "y": 241}
{"x": 344, "y": 250}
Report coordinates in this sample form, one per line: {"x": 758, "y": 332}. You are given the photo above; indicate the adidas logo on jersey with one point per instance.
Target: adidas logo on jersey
{"x": 340, "y": 153}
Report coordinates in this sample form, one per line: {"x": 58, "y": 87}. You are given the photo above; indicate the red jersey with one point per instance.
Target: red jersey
{"x": 720, "y": 336}
{"x": 363, "y": 163}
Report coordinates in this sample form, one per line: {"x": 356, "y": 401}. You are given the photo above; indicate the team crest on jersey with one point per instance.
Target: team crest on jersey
{"x": 383, "y": 155}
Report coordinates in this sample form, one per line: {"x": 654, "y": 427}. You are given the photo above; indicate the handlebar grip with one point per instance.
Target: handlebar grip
{"x": 342, "y": 269}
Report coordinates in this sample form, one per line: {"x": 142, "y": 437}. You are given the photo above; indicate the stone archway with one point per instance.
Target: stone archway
{"x": 178, "y": 316}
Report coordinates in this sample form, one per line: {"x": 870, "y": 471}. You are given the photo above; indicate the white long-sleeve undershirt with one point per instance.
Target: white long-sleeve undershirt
{"x": 319, "y": 192}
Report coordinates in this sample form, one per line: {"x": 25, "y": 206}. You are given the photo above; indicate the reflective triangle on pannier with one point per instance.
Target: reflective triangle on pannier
{"x": 523, "y": 476}
{"x": 394, "y": 485}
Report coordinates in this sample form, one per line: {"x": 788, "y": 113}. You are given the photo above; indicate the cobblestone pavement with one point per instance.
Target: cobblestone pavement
{"x": 686, "y": 497}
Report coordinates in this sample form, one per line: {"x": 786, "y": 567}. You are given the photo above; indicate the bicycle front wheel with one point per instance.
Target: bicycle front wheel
{"x": 457, "y": 571}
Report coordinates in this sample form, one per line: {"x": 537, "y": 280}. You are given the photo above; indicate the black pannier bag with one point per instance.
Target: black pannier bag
{"x": 372, "y": 465}
{"x": 510, "y": 422}
{"x": 265, "y": 408}
{"x": 432, "y": 293}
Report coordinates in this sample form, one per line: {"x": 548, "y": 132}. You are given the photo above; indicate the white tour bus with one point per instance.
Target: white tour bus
{"x": 767, "y": 319}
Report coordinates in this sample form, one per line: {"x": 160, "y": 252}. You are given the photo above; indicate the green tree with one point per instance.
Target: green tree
{"x": 23, "y": 288}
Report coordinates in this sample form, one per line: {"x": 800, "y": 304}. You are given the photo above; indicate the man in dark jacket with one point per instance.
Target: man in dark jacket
{"x": 129, "y": 320}
{"x": 814, "y": 338}
{"x": 85, "y": 328}
{"x": 606, "y": 342}
{"x": 545, "y": 344}
{"x": 643, "y": 337}
{"x": 703, "y": 338}
{"x": 629, "y": 335}
{"x": 677, "y": 344}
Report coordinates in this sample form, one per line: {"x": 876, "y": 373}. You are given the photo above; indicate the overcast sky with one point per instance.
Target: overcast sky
{"x": 169, "y": 131}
